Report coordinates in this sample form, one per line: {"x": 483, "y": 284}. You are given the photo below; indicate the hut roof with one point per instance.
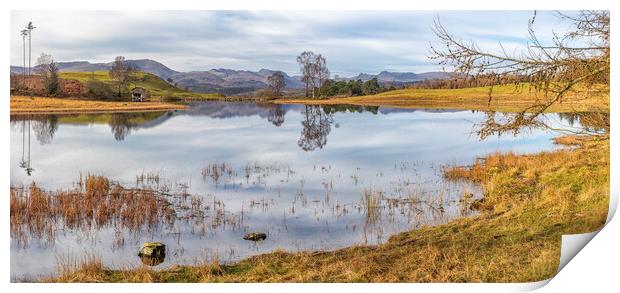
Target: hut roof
{"x": 138, "y": 88}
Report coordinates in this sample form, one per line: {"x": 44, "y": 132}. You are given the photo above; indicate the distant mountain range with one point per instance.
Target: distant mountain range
{"x": 387, "y": 76}
{"x": 229, "y": 81}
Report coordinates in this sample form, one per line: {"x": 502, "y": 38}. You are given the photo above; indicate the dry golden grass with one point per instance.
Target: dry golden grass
{"x": 95, "y": 203}
{"x": 44, "y": 105}
{"x": 529, "y": 202}
{"x": 570, "y": 140}
{"x": 504, "y": 99}
{"x": 90, "y": 270}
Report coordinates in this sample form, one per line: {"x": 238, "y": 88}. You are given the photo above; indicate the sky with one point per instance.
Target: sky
{"x": 351, "y": 41}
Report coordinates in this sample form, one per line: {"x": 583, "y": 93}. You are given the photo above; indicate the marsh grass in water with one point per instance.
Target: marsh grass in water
{"x": 529, "y": 202}
{"x": 94, "y": 203}
{"x": 318, "y": 204}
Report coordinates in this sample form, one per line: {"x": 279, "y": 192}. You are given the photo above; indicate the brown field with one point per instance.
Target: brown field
{"x": 504, "y": 99}
{"x": 44, "y": 105}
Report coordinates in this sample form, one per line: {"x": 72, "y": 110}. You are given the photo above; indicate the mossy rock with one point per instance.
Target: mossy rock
{"x": 153, "y": 249}
{"x": 152, "y": 261}
{"x": 255, "y": 236}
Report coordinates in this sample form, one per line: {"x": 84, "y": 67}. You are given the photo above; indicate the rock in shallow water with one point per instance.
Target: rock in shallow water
{"x": 153, "y": 249}
{"x": 151, "y": 261}
{"x": 255, "y": 236}
{"x": 152, "y": 253}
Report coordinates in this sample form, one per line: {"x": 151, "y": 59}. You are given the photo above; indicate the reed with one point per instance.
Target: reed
{"x": 529, "y": 202}
{"x": 95, "y": 204}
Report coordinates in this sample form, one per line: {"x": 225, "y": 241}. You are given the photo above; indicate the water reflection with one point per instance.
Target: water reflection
{"x": 44, "y": 129}
{"x": 276, "y": 115}
{"x": 316, "y": 123}
{"x": 595, "y": 122}
{"x": 316, "y": 127}
{"x": 25, "y": 161}
{"x": 152, "y": 261}
{"x": 221, "y": 170}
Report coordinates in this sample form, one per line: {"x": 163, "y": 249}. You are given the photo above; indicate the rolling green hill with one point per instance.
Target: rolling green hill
{"x": 158, "y": 87}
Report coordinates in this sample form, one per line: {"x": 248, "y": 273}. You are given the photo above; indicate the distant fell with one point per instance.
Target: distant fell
{"x": 231, "y": 81}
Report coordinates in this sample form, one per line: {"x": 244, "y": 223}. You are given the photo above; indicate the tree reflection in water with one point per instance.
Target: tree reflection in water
{"x": 45, "y": 128}
{"x": 589, "y": 122}
{"x": 276, "y": 115}
{"x": 121, "y": 125}
{"x": 315, "y": 128}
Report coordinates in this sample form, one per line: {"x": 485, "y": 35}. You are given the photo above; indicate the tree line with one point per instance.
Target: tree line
{"x": 317, "y": 83}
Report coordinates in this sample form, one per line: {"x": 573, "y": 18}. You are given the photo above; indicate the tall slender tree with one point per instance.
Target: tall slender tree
{"x": 305, "y": 60}
{"x": 321, "y": 72}
{"x": 30, "y": 28}
{"x": 24, "y": 34}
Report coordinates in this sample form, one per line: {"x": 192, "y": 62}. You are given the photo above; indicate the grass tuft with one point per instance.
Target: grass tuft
{"x": 529, "y": 202}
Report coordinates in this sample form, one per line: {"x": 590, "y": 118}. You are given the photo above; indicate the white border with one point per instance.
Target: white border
{"x": 596, "y": 266}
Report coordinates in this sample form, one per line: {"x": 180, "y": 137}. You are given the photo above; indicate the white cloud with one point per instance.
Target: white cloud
{"x": 352, "y": 41}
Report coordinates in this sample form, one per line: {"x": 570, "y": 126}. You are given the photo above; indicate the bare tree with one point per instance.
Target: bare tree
{"x": 276, "y": 83}
{"x": 314, "y": 71}
{"x": 30, "y": 28}
{"x": 122, "y": 74}
{"x": 321, "y": 72}
{"x": 576, "y": 63}
{"x": 24, "y": 34}
{"x": 305, "y": 60}
{"x": 48, "y": 68}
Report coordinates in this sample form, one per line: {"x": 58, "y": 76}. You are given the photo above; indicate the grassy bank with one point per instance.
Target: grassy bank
{"x": 43, "y": 105}
{"x": 529, "y": 202}
{"x": 157, "y": 87}
{"x": 506, "y": 98}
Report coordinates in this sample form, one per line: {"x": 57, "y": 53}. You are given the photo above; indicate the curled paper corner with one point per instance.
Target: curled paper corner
{"x": 613, "y": 205}
{"x": 572, "y": 244}
{"x": 534, "y": 285}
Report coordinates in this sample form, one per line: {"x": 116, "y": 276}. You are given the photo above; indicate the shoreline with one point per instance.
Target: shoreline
{"x": 504, "y": 98}
{"x": 24, "y": 105}
{"x": 530, "y": 201}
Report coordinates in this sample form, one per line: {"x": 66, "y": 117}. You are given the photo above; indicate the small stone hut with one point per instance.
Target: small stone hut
{"x": 139, "y": 94}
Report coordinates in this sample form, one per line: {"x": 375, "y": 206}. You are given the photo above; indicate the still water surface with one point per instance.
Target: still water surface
{"x": 296, "y": 173}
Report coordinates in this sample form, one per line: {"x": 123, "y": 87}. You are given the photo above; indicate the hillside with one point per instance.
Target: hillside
{"x": 155, "y": 85}
{"x": 230, "y": 81}
{"x": 401, "y": 77}
{"x": 145, "y": 65}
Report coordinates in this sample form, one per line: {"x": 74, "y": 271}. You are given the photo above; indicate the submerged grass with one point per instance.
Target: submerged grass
{"x": 529, "y": 202}
{"x": 94, "y": 203}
